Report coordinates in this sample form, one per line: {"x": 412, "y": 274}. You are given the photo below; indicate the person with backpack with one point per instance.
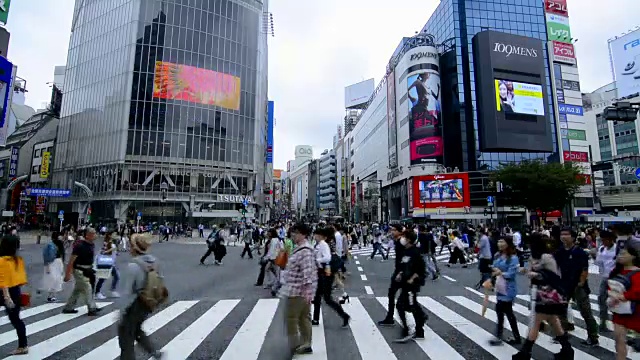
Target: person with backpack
{"x": 53, "y": 258}
{"x": 624, "y": 295}
{"x": 214, "y": 242}
{"x": 143, "y": 290}
{"x": 410, "y": 276}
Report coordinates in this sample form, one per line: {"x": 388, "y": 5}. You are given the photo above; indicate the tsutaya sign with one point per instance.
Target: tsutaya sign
{"x": 234, "y": 198}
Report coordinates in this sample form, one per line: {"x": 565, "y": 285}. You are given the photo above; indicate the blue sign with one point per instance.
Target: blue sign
{"x": 13, "y": 162}
{"x": 61, "y": 212}
{"x": 638, "y": 173}
{"x": 140, "y": 213}
{"x": 489, "y": 199}
{"x": 245, "y": 202}
{"x": 570, "y": 109}
{"x": 6, "y": 75}
{"x": 270, "y": 108}
{"x": 49, "y": 192}
{"x": 584, "y": 212}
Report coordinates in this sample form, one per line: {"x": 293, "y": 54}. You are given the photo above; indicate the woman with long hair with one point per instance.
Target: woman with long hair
{"x": 53, "y": 257}
{"x": 504, "y": 271}
{"x": 12, "y": 277}
{"x": 550, "y": 300}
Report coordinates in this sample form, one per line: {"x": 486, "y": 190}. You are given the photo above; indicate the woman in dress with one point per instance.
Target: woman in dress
{"x": 53, "y": 257}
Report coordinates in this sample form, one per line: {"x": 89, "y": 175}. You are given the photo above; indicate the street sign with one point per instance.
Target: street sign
{"x": 61, "y": 212}
{"x": 61, "y": 217}
{"x": 245, "y": 202}
{"x": 139, "y": 217}
{"x": 638, "y": 173}
{"x": 139, "y": 214}
{"x": 489, "y": 200}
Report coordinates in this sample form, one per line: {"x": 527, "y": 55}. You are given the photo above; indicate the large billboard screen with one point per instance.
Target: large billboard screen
{"x": 358, "y": 94}
{"x": 512, "y": 103}
{"x": 445, "y": 190}
{"x": 188, "y": 83}
{"x": 625, "y": 57}
{"x": 425, "y": 122}
{"x": 391, "y": 120}
{"x": 519, "y": 98}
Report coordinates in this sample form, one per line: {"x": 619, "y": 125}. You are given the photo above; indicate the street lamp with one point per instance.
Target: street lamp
{"x": 164, "y": 188}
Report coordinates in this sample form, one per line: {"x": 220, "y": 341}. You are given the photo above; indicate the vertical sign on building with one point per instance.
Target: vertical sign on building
{"x": 270, "y": 107}
{"x": 353, "y": 194}
{"x": 391, "y": 120}
{"x": 13, "y": 162}
{"x": 7, "y": 73}
{"x": 4, "y": 11}
{"x": 44, "y": 166}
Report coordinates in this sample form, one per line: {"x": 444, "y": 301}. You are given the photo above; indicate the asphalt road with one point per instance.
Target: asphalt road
{"x": 216, "y": 312}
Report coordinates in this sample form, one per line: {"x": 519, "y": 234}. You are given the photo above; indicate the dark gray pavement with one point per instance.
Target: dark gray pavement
{"x": 216, "y": 312}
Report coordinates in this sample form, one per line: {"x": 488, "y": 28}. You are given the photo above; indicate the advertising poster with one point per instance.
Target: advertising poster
{"x": 353, "y": 194}
{"x": 188, "y": 83}
{"x": 625, "y": 57}
{"x": 556, "y": 7}
{"x": 44, "y": 166}
{"x": 391, "y": 119}
{"x": 558, "y": 28}
{"x": 425, "y": 123}
{"x": 576, "y": 134}
{"x": 519, "y": 98}
{"x": 568, "y": 109}
{"x": 270, "y": 109}
{"x": 564, "y": 53}
{"x": 446, "y": 190}
{"x": 575, "y": 156}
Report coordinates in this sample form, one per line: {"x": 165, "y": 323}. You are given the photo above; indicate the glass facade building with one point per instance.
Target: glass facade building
{"x": 454, "y": 24}
{"x": 164, "y": 94}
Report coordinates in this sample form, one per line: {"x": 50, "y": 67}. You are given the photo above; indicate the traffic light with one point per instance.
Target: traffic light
{"x": 621, "y": 111}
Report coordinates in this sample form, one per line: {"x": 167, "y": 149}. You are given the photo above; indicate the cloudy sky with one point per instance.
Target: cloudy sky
{"x": 319, "y": 48}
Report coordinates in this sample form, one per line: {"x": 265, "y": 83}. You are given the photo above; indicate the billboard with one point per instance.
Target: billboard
{"x": 511, "y": 93}
{"x": 277, "y": 174}
{"x": 13, "y": 162}
{"x": 44, "y": 166}
{"x": 564, "y": 53}
{"x": 391, "y": 120}
{"x": 358, "y": 94}
{"x": 625, "y": 57}
{"x": 574, "y": 134}
{"x": 188, "y": 83}
{"x": 558, "y": 28}
{"x": 353, "y": 194}
{"x": 556, "y": 7}
{"x": 4, "y": 11}
{"x": 270, "y": 108}
{"x": 575, "y": 156}
{"x": 423, "y": 92}
{"x": 569, "y": 109}
{"x": 444, "y": 190}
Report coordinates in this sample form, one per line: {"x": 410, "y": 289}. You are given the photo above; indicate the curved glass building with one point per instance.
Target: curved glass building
{"x": 165, "y": 111}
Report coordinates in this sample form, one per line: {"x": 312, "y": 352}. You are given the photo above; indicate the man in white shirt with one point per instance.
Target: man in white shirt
{"x": 605, "y": 259}
{"x": 517, "y": 242}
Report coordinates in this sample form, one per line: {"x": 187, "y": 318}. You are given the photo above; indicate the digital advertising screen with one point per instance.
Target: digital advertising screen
{"x": 446, "y": 190}
{"x": 425, "y": 122}
{"x": 188, "y": 83}
{"x": 625, "y": 56}
{"x": 519, "y": 98}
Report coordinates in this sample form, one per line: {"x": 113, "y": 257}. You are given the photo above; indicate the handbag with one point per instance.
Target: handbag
{"x": 25, "y": 299}
{"x": 501, "y": 285}
{"x": 282, "y": 259}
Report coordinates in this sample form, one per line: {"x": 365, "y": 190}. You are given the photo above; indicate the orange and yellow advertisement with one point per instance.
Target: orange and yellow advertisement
{"x": 188, "y": 83}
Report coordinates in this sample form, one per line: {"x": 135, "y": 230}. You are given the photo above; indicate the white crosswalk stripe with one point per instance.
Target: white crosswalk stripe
{"x": 254, "y": 329}
{"x": 367, "y": 250}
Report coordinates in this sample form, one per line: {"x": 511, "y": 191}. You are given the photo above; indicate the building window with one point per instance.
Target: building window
{"x": 35, "y": 170}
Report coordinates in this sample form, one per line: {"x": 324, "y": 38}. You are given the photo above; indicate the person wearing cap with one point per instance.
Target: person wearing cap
{"x": 396, "y": 233}
{"x": 132, "y": 312}
{"x": 80, "y": 266}
{"x": 300, "y": 284}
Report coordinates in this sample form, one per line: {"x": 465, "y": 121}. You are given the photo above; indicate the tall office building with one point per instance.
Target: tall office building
{"x": 327, "y": 189}
{"x": 164, "y": 95}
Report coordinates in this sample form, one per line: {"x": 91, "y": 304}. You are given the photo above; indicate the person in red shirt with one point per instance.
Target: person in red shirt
{"x": 628, "y": 261}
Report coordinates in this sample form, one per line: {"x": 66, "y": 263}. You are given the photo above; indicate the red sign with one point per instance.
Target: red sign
{"x": 444, "y": 190}
{"x": 557, "y": 7}
{"x": 353, "y": 194}
{"x": 586, "y": 179}
{"x": 562, "y": 49}
{"x": 575, "y": 156}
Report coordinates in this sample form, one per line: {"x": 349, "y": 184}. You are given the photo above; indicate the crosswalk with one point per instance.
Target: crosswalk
{"x": 366, "y": 251}
{"x": 254, "y": 329}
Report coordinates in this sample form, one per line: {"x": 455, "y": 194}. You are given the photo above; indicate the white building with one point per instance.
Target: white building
{"x": 299, "y": 178}
{"x": 327, "y": 188}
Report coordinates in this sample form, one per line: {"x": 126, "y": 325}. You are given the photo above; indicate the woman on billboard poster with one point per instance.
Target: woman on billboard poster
{"x": 425, "y": 128}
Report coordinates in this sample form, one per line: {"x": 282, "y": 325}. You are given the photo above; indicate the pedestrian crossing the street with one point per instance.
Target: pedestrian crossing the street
{"x": 249, "y": 329}
{"x": 366, "y": 251}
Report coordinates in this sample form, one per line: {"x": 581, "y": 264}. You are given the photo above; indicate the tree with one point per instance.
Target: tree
{"x": 538, "y": 185}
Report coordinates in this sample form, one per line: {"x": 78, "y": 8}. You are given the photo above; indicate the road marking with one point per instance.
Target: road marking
{"x": 437, "y": 348}
{"x": 32, "y": 311}
{"x": 355, "y": 257}
{"x": 449, "y": 278}
{"x": 110, "y": 349}
{"x": 467, "y": 328}
{"x": 57, "y": 343}
{"x": 491, "y": 315}
{"x": 370, "y": 342}
{"x": 319, "y": 343}
{"x": 363, "y": 277}
{"x": 244, "y": 345}
{"x": 357, "y": 262}
{"x": 190, "y": 338}
{"x": 369, "y": 290}
{"x": 45, "y": 324}
{"x": 360, "y": 269}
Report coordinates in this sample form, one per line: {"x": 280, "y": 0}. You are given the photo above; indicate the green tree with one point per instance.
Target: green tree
{"x": 538, "y": 185}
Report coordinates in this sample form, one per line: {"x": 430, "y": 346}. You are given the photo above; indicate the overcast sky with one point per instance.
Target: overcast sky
{"x": 319, "y": 48}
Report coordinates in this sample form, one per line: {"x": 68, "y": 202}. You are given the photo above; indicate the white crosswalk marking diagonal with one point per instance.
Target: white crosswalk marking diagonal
{"x": 256, "y": 333}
